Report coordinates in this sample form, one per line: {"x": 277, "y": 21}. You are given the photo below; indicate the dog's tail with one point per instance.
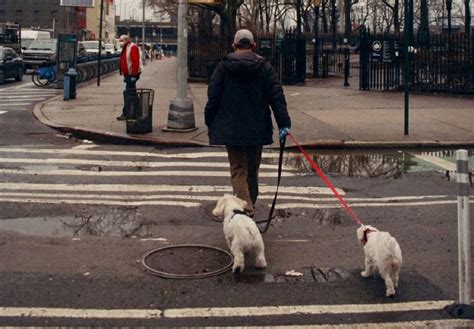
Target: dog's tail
{"x": 395, "y": 251}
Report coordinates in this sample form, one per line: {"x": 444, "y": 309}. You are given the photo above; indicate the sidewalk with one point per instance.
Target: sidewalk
{"x": 324, "y": 114}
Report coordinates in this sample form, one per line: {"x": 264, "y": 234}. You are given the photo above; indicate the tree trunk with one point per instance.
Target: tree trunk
{"x": 396, "y": 16}
{"x": 347, "y": 18}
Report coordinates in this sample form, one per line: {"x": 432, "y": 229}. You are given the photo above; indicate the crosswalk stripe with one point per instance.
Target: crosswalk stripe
{"x": 222, "y": 312}
{"x": 281, "y": 205}
{"x": 14, "y": 104}
{"x": 134, "y": 173}
{"x": 225, "y": 312}
{"x": 282, "y": 196}
{"x": 310, "y": 190}
{"x": 22, "y": 97}
{"x": 105, "y": 202}
{"x": 112, "y": 163}
{"x": 197, "y": 155}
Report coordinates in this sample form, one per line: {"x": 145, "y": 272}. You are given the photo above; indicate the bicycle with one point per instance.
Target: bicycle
{"x": 44, "y": 76}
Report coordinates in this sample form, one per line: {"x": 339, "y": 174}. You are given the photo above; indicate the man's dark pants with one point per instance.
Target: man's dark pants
{"x": 130, "y": 97}
{"x": 244, "y": 166}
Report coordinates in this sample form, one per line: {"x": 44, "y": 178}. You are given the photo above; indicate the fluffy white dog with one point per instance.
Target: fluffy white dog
{"x": 382, "y": 253}
{"x": 241, "y": 232}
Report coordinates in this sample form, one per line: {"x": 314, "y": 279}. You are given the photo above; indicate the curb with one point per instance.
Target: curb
{"x": 123, "y": 138}
{"x": 118, "y": 138}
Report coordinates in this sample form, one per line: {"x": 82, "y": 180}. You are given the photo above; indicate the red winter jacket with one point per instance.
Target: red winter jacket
{"x": 130, "y": 61}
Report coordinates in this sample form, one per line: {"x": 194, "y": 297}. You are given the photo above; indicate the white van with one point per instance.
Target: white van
{"x": 28, "y": 36}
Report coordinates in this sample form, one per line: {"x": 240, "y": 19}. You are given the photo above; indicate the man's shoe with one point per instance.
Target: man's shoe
{"x": 121, "y": 118}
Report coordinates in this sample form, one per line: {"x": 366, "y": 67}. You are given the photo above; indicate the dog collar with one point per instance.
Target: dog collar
{"x": 366, "y": 238}
{"x": 239, "y": 212}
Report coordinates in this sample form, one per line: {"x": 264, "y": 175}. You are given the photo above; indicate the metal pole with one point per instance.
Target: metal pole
{"x": 408, "y": 35}
{"x": 464, "y": 240}
{"x": 143, "y": 35}
{"x": 298, "y": 17}
{"x": 100, "y": 40}
{"x": 333, "y": 14}
{"x": 181, "y": 113}
{"x": 449, "y": 6}
{"x": 316, "y": 42}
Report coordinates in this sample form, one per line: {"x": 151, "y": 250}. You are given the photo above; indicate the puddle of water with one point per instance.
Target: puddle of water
{"x": 118, "y": 223}
{"x": 369, "y": 164}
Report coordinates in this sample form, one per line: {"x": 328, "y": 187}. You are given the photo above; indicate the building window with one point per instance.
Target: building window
{"x": 19, "y": 13}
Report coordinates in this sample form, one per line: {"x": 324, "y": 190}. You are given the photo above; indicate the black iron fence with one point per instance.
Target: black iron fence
{"x": 439, "y": 63}
{"x": 290, "y": 54}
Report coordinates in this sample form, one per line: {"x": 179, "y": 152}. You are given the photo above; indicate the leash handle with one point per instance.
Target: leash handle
{"x": 280, "y": 166}
{"x": 318, "y": 170}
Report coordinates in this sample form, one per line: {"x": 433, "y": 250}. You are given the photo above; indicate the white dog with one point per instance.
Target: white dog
{"x": 382, "y": 253}
{"x": 241, "y": 232}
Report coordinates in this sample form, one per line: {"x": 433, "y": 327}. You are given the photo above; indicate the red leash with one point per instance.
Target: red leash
{"x": 318, "y": 170}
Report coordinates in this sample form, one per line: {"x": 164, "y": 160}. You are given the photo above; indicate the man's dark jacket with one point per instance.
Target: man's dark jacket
{"x": 241, "y": 92}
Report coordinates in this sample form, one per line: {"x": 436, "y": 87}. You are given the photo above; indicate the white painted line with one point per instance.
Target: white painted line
{"x": 421, "y": 324}
{"x": 3, "y": 112}
{"x": 104, "y": 203}
{"x": 29, "y": 97}
{"x": 78, "y": 313}
{"x": 173, "y": 202}
{"x": 311, "y": 190}
{"x": 224, "y": 312}
{"x": 135, "y": 197}
{"x": 133, "y": 173}
{"x": 84, "y": 147}
{"x": 195, "y": 155}
{"x": 444, "y": 164}
{"x": 365, "y": 205}
{"x": 14, "y": 104}
{"x": 148, "y": 164}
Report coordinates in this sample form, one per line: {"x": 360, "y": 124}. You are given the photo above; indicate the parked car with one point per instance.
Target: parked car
{"x": 92, "y": 47}
{"x": 11, "y": 65}
{"x": 40, "y": 53}
{"x": 28, "y": 36}
{"x": 109, "y": 49}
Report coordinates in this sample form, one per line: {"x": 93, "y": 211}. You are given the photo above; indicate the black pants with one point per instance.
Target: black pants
{"x": 131, "y": 103}
{"x": 244, "y": 166}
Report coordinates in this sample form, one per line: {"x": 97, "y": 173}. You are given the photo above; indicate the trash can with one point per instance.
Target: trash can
{"x": 139, "y": 109}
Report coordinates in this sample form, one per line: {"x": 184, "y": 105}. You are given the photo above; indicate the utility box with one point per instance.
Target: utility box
{"x": 70, "y": 83}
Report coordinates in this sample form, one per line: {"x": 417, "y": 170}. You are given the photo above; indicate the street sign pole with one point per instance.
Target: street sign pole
{"x": 181, "y": 113}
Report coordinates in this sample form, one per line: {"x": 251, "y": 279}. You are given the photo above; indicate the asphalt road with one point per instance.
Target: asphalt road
{"x": 76, "y": 219}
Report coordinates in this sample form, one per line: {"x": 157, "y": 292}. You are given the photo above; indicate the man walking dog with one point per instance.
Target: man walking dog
{"x": 130, "y": 68}
{"x": 242, "y": 90}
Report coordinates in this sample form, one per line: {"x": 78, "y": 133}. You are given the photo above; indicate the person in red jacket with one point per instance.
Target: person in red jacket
{"x": 130, "y": 68}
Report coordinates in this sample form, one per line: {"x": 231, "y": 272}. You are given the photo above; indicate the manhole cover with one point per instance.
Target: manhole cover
{"x": 187, "y": 261}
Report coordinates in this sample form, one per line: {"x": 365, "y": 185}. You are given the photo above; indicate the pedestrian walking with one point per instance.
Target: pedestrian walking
{"x": 131, "y": 69}
{"x": 243, "y": 91}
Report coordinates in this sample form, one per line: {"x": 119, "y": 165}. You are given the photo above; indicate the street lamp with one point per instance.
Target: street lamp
{"x": 317, "y": 3}
{"x": 449, "y": 6}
